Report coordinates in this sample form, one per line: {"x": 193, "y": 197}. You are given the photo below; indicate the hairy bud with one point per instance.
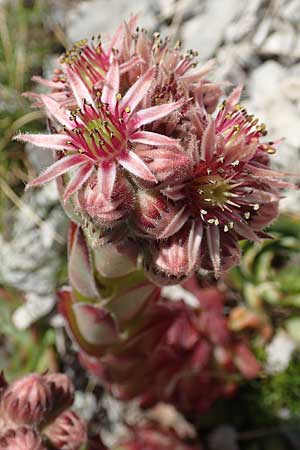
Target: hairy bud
{"x": 67, "y": 432}
{"x": 22, "y": 438}
{"x": 62, "y": 390}
{"x": 27, "y": 400}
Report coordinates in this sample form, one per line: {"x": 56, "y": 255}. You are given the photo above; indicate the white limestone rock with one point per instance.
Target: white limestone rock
{"x": 206, "y": 31}
{"x": 103, "y": 16}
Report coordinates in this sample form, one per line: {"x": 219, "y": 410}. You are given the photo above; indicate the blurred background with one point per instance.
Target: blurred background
{"x": 254, "y": 42}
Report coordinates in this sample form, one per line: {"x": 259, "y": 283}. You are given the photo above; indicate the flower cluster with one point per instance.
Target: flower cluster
{"x": 142, "y": 345}
{"x": 142, "y": 155}
{"x": 35, "y": 414}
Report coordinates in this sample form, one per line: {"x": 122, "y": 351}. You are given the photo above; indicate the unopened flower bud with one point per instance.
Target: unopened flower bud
{"x": 67, "y": 432}
{"x": 62, "y": 390}
{"x": 175, "y": 259}
{"x": 105, "y": 211}
{"x": 168, "y": 163}
{"x": 156, "y": 217}
{"x": 27, "y": 400}
{"x": 22, "y": 438}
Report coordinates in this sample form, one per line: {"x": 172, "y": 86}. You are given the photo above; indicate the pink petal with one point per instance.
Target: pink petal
{"x": 195, "y": 75}
{"x": 238, "y": 150}
{"x": 79, "y": 88}
{"x": 57, "y": 111}
{"x": 111, "y": 85}
{"x": 149, "y": 138}
{"x": 81, "y": 176}
{"x": 174, "y": 192}
{"x": 233, "y": 98}
{"x": 245, "y": 231}
{"x": 194, "y": 242}
{"x": 116, "y": 38}
{"x": 138, "y": 90}
{"x": 213, "y": 242}
{"x": 46, "y": 141}
{"x": 230, "y": 103}
{"x": 48, "y": 83}
{"x": 136, "y": 166}
{"x": 265, "y": 173}
{"x": 106, "y": 179}
{"x": 130, "y": 64}
{"x": 58, "y": 168}
{"x": 150, "y": 114}
{"x": 176, "y": 223}
{"x": 208, "y": 143}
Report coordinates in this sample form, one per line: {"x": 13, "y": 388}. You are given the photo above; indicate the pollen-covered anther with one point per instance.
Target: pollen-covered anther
{"x": 177, "y": 45}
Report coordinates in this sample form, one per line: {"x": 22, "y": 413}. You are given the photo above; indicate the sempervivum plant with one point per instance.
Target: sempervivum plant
{"x": 140, "y": 344}
{"x": 141, "y": 154}
{"x": 35, "y": 414}
{"x": 269, "y": 280}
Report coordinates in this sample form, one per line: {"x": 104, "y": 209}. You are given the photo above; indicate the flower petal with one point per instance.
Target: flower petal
{"x": 48, "y": 83}
{"x": 55, "y": 110}
{"x": 195, "y": 75}
{"x": 80, "y": 177}
{"x": 213, "y": 242}
{"x": 58, "y": 168}
{"x": 149, "y": 138}
{"x": 148, "y": 115}
{"x": 130, "y": 64}
{"x": 136, "y": 166}
{"x": 176, "y": 223}
{"x": 208, "y": 143}
{"x": 46, "y": 141}
{"x": 138, "y": 90}
{"x": 245, "y": 231}
{"x": 111, "y": 85}
{"x": 106, "y": 179}
{"x": 194, "y": 242}
{"x": 230, "y": 103}
{"x": 79, "y": 88}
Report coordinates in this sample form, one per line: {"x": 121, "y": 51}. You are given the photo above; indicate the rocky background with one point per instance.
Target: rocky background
{"x": 254, "y": 42}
